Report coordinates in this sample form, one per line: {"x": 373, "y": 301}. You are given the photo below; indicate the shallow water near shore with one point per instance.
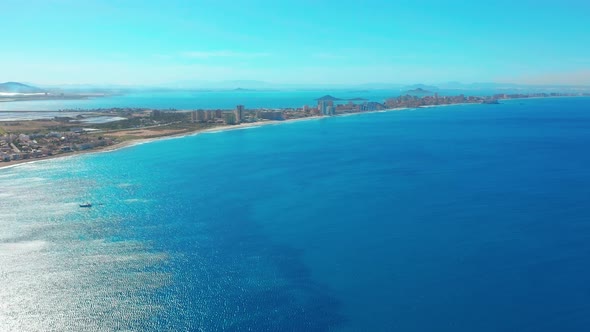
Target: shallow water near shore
{"x": 462, "y": 218}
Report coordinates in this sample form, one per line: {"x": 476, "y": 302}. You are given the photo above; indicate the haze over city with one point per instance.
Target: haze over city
{"x": 294, "y": 42}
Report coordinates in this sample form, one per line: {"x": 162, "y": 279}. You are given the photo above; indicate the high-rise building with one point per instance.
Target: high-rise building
{"x": 199, "y": 116}
{"x": 322, "y": 107}
{"x": 230, "y": 118}
{"x": 270, "y": 115}
{"x": 239, "y": 112}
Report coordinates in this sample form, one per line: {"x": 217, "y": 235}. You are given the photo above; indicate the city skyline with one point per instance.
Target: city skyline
{"x": 332, "y": 43}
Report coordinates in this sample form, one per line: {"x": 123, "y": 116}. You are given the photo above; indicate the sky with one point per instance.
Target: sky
{"x": 131, "y": 42}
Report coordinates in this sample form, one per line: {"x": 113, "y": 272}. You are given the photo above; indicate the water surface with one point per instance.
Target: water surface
{"x": 462, "y": 218}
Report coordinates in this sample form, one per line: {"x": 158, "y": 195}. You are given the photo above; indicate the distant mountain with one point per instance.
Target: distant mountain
{"x": 15, "y": 87}
{"x": 513, "y": 87}
{"x": 218, "y": 85}
{"x": 379, "y": 86}
{"x": 262, "y": 85}
{"x": 477, "y": 85}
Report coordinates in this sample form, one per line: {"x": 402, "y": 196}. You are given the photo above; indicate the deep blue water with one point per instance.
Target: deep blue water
{"x": 459, "y": 218}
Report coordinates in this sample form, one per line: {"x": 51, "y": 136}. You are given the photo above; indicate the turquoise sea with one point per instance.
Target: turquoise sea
{"x": 458, "y": 218}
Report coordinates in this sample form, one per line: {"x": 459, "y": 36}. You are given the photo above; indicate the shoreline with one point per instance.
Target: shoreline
{"x": 14, "y": 98}
{"x": 139, "y": 141}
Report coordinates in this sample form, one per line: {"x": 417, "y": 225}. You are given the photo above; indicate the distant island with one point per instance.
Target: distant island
{"x": 420, "y": 86}
{"x": 418, "y": 91}
{"x": 328, "y": 98}
{"x": 251, "y": 90}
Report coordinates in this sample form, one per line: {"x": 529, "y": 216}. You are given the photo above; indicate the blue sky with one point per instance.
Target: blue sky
{"x": 320, "y": 42}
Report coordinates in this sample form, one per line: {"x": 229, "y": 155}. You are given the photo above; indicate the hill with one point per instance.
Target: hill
{"x": 15, "y": 87}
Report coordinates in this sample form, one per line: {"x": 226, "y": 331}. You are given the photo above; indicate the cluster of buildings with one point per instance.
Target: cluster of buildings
{"x": 218, "y": 116}
{"x": 209, "y": 116}
{"x": 367, "y": 106}
{"x": 326, "y": 107}
{"x": 65, "y": 138}
{"x": 236, "y": 116}
{"x": 28, "y": 146}
{"x": 415, "y": 101}
{"x": 534, "y": 95}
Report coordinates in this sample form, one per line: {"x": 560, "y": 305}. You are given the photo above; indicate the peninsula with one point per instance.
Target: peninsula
{"x": 15, "y": 91}
{"x": 91, "y": 130}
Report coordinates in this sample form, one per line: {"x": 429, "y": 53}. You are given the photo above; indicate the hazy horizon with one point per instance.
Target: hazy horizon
{"x": 254, "y": 85}
{"x": 303, "y": 43}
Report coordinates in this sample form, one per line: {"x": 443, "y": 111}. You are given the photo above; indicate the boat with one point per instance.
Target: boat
{"x": 86, "y": 205}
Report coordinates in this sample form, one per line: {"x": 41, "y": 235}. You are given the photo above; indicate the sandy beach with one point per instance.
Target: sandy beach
{"x": 174, "y": 134}
{"x": 146, "y": 135}
{"x": 166, "y": 134}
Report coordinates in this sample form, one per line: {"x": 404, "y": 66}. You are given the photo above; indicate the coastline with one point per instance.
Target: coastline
{"x": 139, "y": 141}
{"x": 7, "y": 98}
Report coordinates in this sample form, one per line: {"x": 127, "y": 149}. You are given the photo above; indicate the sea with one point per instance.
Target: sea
{"x": 457, "y": 218}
